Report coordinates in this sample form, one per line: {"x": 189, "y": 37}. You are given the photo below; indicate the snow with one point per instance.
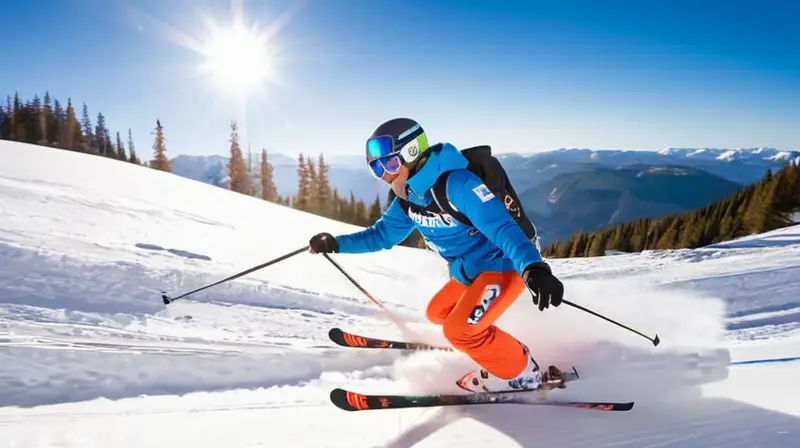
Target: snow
{"x": 729, "y": 155}
{"x": 783, "y": 155}
{"x": 89, "y": 354}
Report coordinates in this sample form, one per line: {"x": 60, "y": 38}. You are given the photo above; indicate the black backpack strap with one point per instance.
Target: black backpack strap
{"x": 440, "y": 197}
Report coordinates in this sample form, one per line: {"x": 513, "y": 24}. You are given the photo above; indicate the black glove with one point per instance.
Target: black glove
{"x": 544, "y": 286}
{"x": 323, "y": 243}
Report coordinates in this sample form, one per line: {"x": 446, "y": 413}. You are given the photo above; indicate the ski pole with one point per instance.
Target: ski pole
{"x": 369, "y": 296}
{"x": 655, "y": 340}
{"x": 167, "y": 300}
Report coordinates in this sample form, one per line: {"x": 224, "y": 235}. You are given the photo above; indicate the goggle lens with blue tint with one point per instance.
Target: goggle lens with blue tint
{"x": 382, "y": 157}
{"x": 390, "y": 164}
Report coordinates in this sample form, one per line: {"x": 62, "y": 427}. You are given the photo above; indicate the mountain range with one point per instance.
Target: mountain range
{"x": 564, "y": 190}
{"x": 598, "y": 196}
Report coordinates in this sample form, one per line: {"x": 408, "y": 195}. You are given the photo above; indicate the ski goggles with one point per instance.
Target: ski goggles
{"x": 382, "y": 157}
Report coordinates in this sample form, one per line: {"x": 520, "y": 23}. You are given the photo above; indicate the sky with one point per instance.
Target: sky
{"x": 522, "y": 76}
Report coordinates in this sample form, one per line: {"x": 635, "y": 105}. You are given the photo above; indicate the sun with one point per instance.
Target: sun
{"x": 238, "y": 59}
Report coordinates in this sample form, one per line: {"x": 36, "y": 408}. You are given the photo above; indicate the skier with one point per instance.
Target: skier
{"x": 491, "y": 262}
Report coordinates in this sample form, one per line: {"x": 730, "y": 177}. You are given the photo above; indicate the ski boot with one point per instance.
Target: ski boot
{"x": 531, "y": 378}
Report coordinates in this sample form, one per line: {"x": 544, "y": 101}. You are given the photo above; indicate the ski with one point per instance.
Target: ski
{"x": 347, "y": 339}
{"x": 354, "y": 401}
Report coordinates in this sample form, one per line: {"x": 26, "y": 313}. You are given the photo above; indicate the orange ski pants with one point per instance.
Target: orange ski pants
{"x": 467, "y": 314}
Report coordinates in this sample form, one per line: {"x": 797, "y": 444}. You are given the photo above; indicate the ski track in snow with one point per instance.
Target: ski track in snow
{"x": 88, "y": 353}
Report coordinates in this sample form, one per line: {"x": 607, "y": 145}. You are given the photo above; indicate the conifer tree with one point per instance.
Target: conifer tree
{"x": 578, "y": 248}
{"x": 336, "y": 210}
{"x": 46, "y": 121}
{"x": 598, "y": 245}
{"x": 132, "y": 157}
{"x": 35, "y": 121}
{"x": 323, "y": 191}
{"x": 312, "y": 186}
{"x": 160, "y": 160}
{"x": 389, "y": 197}
{"x": 88, "y": 133}
{"x": 301, "y": 200}
{"x": 103, "y": 137}
{"x": 56, "y": 128}
{"x": 237, "y": 167}
{"x": 375, "y": 211}
{"x": 268, "y": 190}
{"x": 120, "y": 149}
{"x": 2, "y": 123}
{"x": 18, "y": 115}
{"x": 72, "y": 129}
{"x": 352, "y": 210}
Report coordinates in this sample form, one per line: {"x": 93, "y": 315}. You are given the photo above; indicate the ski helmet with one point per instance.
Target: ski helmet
{"x": 395, "y": 142}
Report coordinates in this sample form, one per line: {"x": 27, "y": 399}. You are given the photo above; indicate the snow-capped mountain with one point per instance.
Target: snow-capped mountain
{"x": 742, "y": 166}
{"x": 729, "y": 154}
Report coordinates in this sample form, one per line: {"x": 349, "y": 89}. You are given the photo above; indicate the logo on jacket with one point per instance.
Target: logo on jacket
{"x": 490, "y": 294}
{"x": 483, "y": 192}
{"x": 429, "y": 219}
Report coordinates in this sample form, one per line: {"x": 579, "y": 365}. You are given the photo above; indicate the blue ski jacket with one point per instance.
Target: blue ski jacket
{"x": 499, "y": 244}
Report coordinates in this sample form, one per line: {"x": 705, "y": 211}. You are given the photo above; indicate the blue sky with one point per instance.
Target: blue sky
{"x": 519, "y": 75}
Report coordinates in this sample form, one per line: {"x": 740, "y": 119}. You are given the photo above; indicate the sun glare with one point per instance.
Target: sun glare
{"x": 238, "y": 59}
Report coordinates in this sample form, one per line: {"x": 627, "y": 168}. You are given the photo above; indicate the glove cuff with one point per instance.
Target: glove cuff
{"x": 333, "y": 245}
{"x": 535, "y": 267}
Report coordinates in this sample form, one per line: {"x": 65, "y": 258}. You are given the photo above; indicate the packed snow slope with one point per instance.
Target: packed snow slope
{"x": 90, "y": 356}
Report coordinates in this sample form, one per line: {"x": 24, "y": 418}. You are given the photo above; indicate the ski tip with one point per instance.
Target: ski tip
{"x": 624, "y": 406}
{"x": 576, "y": 372}
{"x": 348, "y": 401}
{"x": 338, "y": 337}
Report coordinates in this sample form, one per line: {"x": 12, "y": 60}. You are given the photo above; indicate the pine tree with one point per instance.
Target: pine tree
{"x": 57, "y": 126}
{"x": 301, "y": 201}
{"x": 268, "y": 190}
{"x": 47, "y": 123}
{"x": 88, "y": 133}
{"x": 160, "y": 160}
{"x": 3, "y": 120}
{"x": 577, "y": 247}
{"x": 132, "y": 157}
{"x": 323, "y": 190}
{"x": 758, "y": 208}
{"x": 375, "y": 210}
{"x": 120, "y": 149}
{"x": 312, "y": 187}
{"x": 35, "y": 122}
{"x": 15, "y": 131}
{"x": 72, "y": 129}
{"x": 352, "y": 210}
{"x": 103, "y": 137}
{"x": 18, "y": 119}
{"x": 389, "y": 198}
{"x": 598, "y": 245}
{"x": 237, "y": 167}
{"x": 336, "y": 210}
